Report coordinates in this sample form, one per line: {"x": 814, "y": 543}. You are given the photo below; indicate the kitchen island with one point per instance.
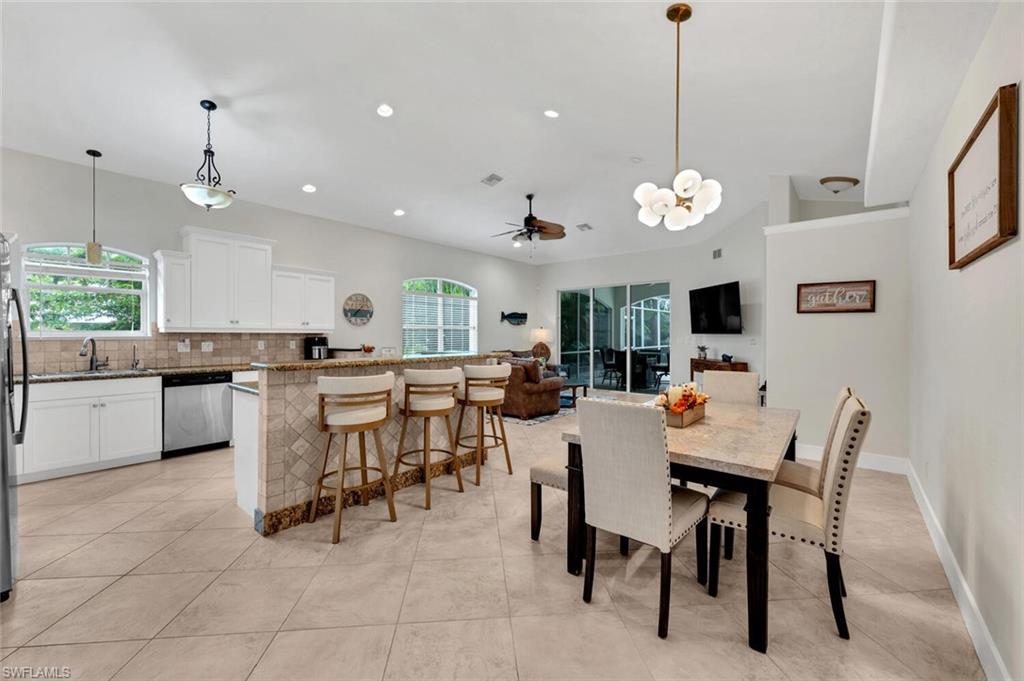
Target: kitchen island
{"x": 287, "y": 456}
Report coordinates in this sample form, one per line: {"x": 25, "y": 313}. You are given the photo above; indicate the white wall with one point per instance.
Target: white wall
{"x": 685, "y": 268}
{"x": 811, "y": 356}
{"x": 48, "y": 200}
{"x": 967, "y": 367}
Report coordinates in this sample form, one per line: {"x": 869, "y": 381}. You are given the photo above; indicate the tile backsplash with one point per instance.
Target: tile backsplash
{"x": 161, "y": 351}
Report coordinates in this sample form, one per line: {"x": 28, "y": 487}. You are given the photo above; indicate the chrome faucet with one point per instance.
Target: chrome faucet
{"x": 94, "y": 363}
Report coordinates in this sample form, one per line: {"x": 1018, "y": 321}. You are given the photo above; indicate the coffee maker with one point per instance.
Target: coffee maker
{"x": 315, "y": 347}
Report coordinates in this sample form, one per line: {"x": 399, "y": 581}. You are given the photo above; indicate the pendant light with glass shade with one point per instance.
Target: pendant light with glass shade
{"x": 93, "y": 249}
{"x": 691, "y": 196}
{"x": 205, "y": 189}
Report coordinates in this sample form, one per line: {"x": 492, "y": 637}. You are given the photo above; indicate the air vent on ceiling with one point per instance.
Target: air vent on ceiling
{"x": 584, "y": 227}
{"x": 716, "y": 254}
{"x": 492, "y": 179}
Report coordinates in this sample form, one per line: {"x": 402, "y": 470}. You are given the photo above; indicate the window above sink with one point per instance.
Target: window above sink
{"x": 67, "y": 296}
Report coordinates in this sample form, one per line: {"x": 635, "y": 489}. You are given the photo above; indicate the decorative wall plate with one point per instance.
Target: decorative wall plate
{"x": 358, "y": 309}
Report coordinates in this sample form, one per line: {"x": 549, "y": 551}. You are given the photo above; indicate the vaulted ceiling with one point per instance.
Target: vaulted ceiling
{"x": 768, "y": 88}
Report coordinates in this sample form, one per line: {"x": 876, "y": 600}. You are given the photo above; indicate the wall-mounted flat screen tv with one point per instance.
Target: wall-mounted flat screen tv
{"x": 716, "y": 309}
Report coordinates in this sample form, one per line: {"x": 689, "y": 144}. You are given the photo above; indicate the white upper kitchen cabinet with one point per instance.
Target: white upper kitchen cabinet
{"x": 173, "y": 290}
{"x": 289, "y": 290}
{"x": 303, "y": 300}
{"x": 230, "y": 280}
{"x": 251, "y": 268}
{"x": 320, "y": 302}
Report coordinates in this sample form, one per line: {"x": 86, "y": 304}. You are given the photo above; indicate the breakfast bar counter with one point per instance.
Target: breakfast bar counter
{"x": 289, "y": 446}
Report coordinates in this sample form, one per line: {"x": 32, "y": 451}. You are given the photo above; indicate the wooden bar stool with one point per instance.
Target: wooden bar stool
{"x": 483, "y": 388}
{"x": 353, "y": 404}
{"x": 428, "y": 393}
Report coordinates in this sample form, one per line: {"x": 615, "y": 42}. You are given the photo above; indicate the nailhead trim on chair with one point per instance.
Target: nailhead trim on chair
{"x": 743, "y": 526}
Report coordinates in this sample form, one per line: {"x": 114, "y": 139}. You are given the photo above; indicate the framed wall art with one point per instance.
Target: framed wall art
{"x": 836, "y": 296}
{"x": 982, "y": 183}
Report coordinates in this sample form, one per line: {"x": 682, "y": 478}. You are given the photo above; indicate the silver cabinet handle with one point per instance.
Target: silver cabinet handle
{"x": 94, "y": 405}
{"x": 103, "y": 404}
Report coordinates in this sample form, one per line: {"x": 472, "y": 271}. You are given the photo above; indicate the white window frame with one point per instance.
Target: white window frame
{"x": 637, "y": 321}
{"x": 441, "y": 327}
{"x": 68, "y": 266}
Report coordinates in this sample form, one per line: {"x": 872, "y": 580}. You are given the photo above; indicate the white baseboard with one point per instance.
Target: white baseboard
{"x": 867, "y": 460}
{"x": 991, "y": 661}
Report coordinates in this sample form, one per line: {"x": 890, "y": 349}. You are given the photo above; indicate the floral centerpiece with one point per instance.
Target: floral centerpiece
{"x": 683, "y": 404}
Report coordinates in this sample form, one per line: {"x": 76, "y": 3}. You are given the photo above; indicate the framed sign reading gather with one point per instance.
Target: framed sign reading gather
{"x": 982, "y": 183}
{"x": 836, "y": 296}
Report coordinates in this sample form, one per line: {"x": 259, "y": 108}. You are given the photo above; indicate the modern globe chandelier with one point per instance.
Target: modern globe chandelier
{"x": 691, "y": 196}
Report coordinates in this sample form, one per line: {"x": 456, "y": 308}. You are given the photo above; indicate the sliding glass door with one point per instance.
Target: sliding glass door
{"x": 574, "y": 334}
{"x": 617, "y": 337}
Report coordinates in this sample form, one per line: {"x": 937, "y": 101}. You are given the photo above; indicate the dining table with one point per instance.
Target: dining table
{"x": 734, "y": 447}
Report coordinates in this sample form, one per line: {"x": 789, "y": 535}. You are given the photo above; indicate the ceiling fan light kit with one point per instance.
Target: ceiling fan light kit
{"x": 691, "y": 196}
{"x": 205, "y": 189}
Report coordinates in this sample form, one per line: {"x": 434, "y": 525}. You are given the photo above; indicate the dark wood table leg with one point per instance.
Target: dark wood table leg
{"x": 757, "y": 565}
{"x": 791, "y": 450}
{"x": 576, "y": 522}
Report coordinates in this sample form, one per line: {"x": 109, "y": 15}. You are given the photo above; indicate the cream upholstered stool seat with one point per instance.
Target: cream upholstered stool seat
{"x": 428, "y": 393}
{"x": 549, "y": 472}
{"x": 483, "y": 389}
{"x": 347, "y": 405}
{"x": 802, "y": 517}
{"x": 811, "y": 479}
{"x": 627, "y": 489}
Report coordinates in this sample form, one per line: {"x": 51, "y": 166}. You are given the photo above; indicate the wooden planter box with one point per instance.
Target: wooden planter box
{"x": 686, "y": 418}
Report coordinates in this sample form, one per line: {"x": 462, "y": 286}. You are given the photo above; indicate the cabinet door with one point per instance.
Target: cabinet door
{"x": 129, "y": 425}
{"x": 212, "y": 283}
{"x": 288, "y": 296}
{"x": 174, "y": 293}
{"x": 319, "y": 302}
{"x": 61, "y": 433}
{"x": 251, "y": 286}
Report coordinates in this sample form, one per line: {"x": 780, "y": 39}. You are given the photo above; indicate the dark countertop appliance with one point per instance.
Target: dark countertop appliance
{"x": 315, "y": 347}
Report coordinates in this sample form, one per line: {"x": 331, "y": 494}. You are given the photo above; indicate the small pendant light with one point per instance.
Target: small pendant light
{"x": 93, "y": 249}
{"x": 205, "y": 189}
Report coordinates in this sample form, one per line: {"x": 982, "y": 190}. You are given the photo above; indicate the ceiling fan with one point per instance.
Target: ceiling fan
{"x": 533, "y": 227}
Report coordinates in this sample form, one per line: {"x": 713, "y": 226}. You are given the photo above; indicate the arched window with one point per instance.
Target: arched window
{"x": 438, "y": 317}
{"x": 69, "y": 296}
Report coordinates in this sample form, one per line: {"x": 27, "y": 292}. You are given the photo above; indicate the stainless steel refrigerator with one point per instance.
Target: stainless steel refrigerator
{"x": 9, "y": 435}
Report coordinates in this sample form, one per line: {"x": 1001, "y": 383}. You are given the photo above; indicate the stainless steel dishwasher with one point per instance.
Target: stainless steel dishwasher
{"x": 197, "y": 412}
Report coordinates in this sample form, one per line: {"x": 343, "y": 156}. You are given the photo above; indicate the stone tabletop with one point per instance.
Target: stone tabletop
{"x": 738, "y": 439}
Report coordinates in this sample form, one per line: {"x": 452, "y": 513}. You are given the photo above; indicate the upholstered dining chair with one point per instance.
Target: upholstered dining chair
{"x": 803, "y": 517}
{"x": 549, "y": 472}
{"x": 732, "y": 387}
{"x": 807, "y": 478}
{"x": 627, "y": 489}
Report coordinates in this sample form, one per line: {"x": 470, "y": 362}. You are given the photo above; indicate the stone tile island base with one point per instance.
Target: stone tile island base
{"x": 291, "y": 446}
{"x": 292, "y": 516}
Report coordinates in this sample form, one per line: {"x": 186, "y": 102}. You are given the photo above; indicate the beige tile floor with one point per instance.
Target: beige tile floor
{"x": 150, "y": 572}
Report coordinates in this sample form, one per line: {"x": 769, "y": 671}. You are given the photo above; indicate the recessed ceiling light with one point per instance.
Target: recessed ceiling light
{"x": 384, "y": 111}
{"x": 517, "y": 244}
{"x": 551, "y": 113}
{"x": 636, "y": 159}
{"x": 399, "y": 212}
{"x": 309, "y": 188}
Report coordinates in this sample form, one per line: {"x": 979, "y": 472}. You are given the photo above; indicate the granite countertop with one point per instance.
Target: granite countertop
{"x": 248, "y": 387}
{"x": 305, "y": 365}
{"x": 108, "y": 374}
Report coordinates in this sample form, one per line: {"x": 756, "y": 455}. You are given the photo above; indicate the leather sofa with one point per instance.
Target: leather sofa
{"x": 529, "y": 394}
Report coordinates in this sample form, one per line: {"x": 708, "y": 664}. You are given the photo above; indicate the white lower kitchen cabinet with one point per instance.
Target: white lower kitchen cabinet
{"x": 79, "y": 426}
